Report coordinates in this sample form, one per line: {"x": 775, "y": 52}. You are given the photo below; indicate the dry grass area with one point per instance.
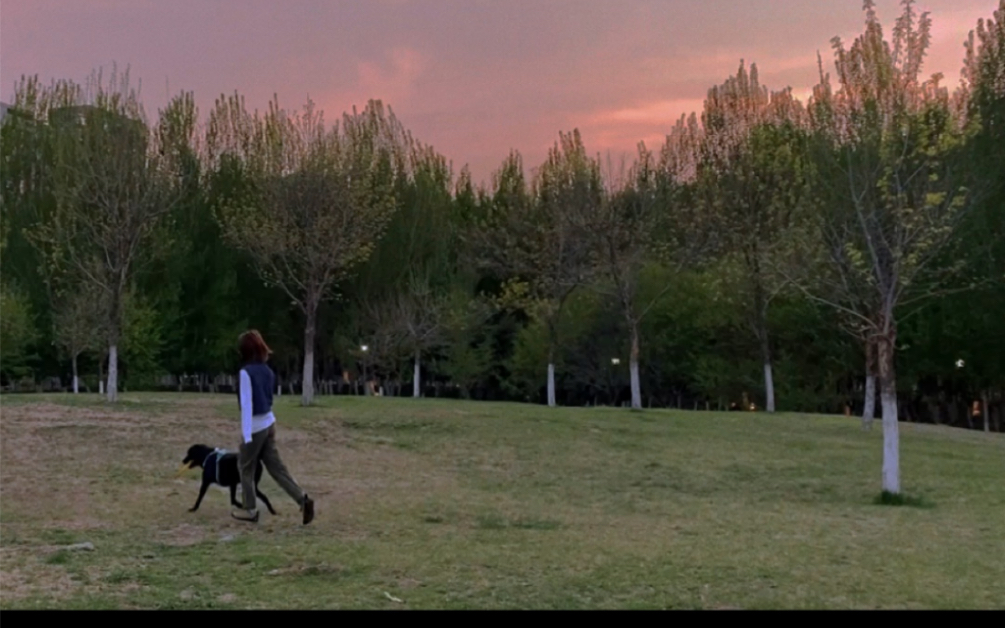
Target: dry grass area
{"x": 437, "y": 504}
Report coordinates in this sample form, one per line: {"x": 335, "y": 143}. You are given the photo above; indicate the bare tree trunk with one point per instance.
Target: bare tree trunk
{"x": 76, "y": 380}
{"x": 417, "y": 373}
{"x": 986, "y": 411}
{"x": 307, "y": 384}
{"x": 101, "y": 376}
{"x": 891, "y": 426}
{"x": 869, "y": 411}
{"x": 633, "y": 367}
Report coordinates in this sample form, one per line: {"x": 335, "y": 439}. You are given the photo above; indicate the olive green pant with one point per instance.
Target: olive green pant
{"x": 263, "y": 447}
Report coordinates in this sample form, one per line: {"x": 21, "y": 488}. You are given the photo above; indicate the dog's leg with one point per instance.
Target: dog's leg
{"x": 265, "y": 500}
{"x": 258, "y": 478}
{"x": 202, "y": 493}
{"x": 233, "y": 496}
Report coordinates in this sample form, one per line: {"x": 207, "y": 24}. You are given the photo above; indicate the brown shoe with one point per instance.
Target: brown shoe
{"x": 308, "y": 509}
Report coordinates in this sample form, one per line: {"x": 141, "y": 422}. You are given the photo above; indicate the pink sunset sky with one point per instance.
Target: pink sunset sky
{"x": 474, "y": 78}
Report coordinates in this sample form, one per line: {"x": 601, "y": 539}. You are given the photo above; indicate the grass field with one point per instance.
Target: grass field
{"x": 434, "y": 504}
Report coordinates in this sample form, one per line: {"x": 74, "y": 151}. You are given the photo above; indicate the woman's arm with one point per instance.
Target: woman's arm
{"x": 245, "y": 406}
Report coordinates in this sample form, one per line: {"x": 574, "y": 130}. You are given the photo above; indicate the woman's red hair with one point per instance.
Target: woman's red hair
{"x": 252, "y": 347}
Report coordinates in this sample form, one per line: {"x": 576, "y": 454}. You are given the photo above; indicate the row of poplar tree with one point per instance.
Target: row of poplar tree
{"x": 798, "y": 256}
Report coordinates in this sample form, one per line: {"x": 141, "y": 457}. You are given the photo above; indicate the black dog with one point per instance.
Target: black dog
{"x": 219, "y": 467}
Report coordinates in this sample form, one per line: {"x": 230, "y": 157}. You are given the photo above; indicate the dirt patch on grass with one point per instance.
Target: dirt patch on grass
{"x": 32, "y": 571}
{"x": 19, "y": 583}
{"x": 183, "y": 535}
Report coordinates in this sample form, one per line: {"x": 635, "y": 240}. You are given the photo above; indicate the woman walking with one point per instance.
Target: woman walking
{"x": 258, "y": 428}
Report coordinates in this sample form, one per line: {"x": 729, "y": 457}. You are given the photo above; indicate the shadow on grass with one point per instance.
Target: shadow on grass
{"x": 886, "y": 498}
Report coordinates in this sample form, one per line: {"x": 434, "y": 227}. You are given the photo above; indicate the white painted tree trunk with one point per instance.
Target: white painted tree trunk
{"x": 416, "y": 384}
{"x": 633, "y": 369}
{"x": 307, "y": 385}
{"x": 769, "y": 388}
{"x": 551, "y": 385}
{"x": 871, "y": 382}
{"x": 76, "y": 380}
{"x": 769, "y": 378}
{"x": 891, "y": 426}
{"x": 636, "y": 386}
{"x": 113, "y": 373}
{"x": 869, "y": 413}
{"x": 891, "y": 443}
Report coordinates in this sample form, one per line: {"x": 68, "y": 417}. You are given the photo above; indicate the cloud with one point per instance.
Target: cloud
{"x": 393, "y": 81}
{"x": 664, "y": 112}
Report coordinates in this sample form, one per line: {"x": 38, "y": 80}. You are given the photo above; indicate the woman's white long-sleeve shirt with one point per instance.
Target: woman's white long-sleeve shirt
{"x": 251, "y": 424}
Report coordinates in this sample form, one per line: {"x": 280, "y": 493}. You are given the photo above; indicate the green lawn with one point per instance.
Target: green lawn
{"x": 442, "y": 504}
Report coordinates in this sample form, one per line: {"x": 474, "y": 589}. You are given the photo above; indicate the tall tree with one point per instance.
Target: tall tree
{"x": 112, "y": 190}
{"x": 648, "y": 218}
{"x": 28, "y": 196}
{"x": 892, "y": 182}
{"x": 194, "y": 287}
{"x": 981, "y": 98}
{"x": 536, "y": 237}
{"x": 322, "y": 198}
{"x": 752, "y": 165}
{"x": 414, "y": 267}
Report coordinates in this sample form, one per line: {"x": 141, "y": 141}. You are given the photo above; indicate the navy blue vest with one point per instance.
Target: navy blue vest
{"x": 262, "y": 382}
